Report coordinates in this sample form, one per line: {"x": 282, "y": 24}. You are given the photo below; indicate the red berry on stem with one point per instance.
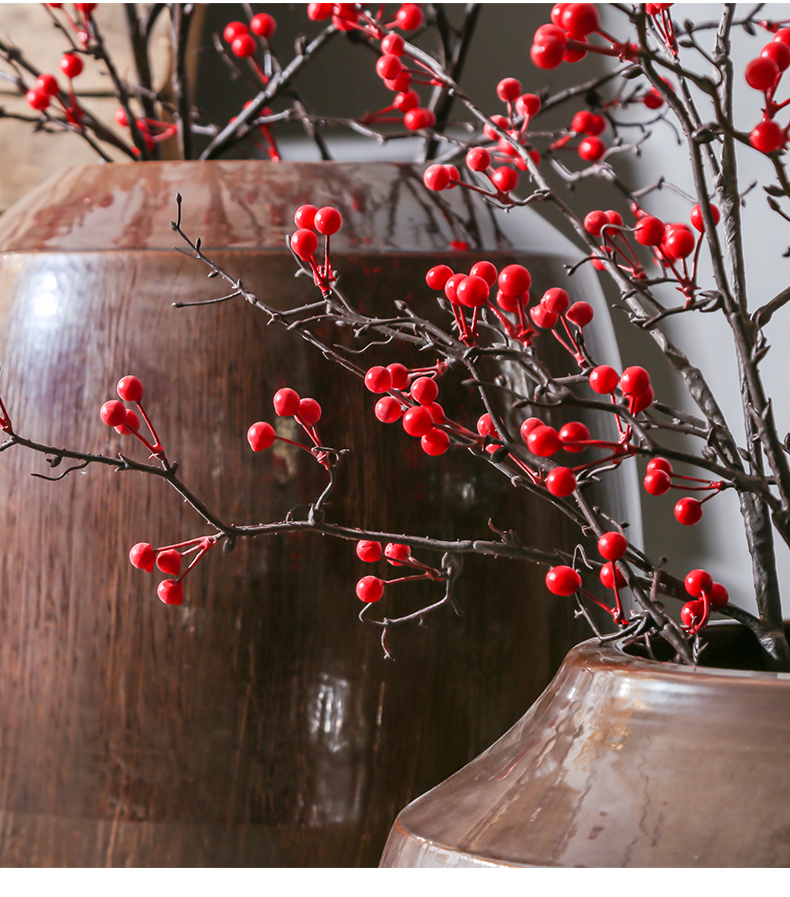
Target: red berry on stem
{"x": 142, "y": 556}
{"x": 478, "y": 159}
{"x": 767, "y": 137}
{"x": 604, "y": 379}
{"x": 378, "y": 379}
{"x": 369, "y": 551}
{"x": 328, "y": 221}
{"x": 591, "y": 149}
{"x": 70, "y": 65}
{"x": 472, "y": 292}
{"x": 309, "y": 412}
{"x": 650, "y": 231}
{"x": 132, "y": 424}
{"x": 436, "y": 177}
{"x": 659, "y": 464}
{"x": 486, "y": 270}
{"x": 419, "y": 118}
{"x": 409, "y": 17}
{"x": 555, "y": 300}
{"x": 514, "y": 280}
{"x": 692, "y": 613}
{"x": 528, "y": 104}
{"x": 437, "y": 413}
{"x": 634, "y": 381}
{"x": 594, "y": 221}
{"x": 169, "y": 561}
{"x": 543, "y": 441}
{"x": 678, "y": 243}
{"x": 435, "y": 442}
{"x": 263, "y": 25}
{"x": 389, "y": 67}
{"x": 170, "y": 591}
{"x": 696, "y": 212}
{"x": 612, "y": 546}
{"x": 580, "y": 19}
{"x": 317, "y": 12}
{"x": 130, "y": 389}
{"x": 610, "y": 576}
{"x": 508, "y": 90}
{"x": 418, "y": 421}
{"x": 561, "y": 481}
{"x": 304, "y": 243}
{"x": 580, "y": 314}
{"x": 243, "y": 46}
{"x": 504, "y": 179}
{"x": 399, "y": 374}
{"x": 688, "y": 511}
{"x": 286, "y": 402}
{"x": 575, "y": 431}
{"x": 563, "y": 581}
{"x": 485, "y": 426}
{"x": 653, "y": 99}
{"x": 393, "y": 45}
{"x": 657, "y": 482}
{"x": 424, "y": 390}
{"x": 261, "y": 436}
{"x": 451, "y": 286}
{"x": 542, "y": 317}
{"x": 48, "y": 83}
{"x": 643, "y": 401}
{"x": 388, "y": 410}
{"x": 304, "y": 216}
{"x": 370, "y": 589}
{"x": 406, "y": 101}
{"x": 37, "y": 99}
{"x": 761, "y": 73}
{"x": 697, "y": 582}
{"x": 397, "y": 554}
{"x": 779, "y": 52}
{"x": 113, "y": 413}
{"x": 718, "y": 596}
{"x": 234, "y": 30}
{"x": 438, "y": 276}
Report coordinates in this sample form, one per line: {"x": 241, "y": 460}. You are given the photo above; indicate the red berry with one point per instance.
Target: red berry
{"x": 121, "y": 118}
{"x": 580, "y": 314}
{"x": 761, "y": 73}
{"x": 556, "y": 13}
{"x": 309, "y": 412}
{"x": 514, "y": 280}
{"x": 659, "y": 464}
{"x": 678, "y": 243}
{"x": 653, "y": 99}
{"x": 603, "y": 379}
{"x": 419, "y": 118}
{"x": 613, "y": 217}
{"x": 543, "y": 441}
{"x": 304, "y": 244}
{"x": 580, "y": 19}
{"x": 234, "y": 30}
{"x": 561, "y": 481}
{"x": 581, "y": 121}
{"x": 779, "y": 52}
{"x": 389, "y": 67}
{"x": 132, "y": 424}
{"x": 547, "y": 55}
{"x": 424, "y": 390}
{"x": 529, "y": 425}
{"x": 393, "y": 45}
{"x": 130, "y": 389}
{"x": 405, "y": 101}
{"x": 328, "y": 221}
{"x": 696, "y": 212}
{"x": 378, "y": 379}
{"x": 688, "y": 511}
{"x": 692, "y": 613}
{"x": 263, "y": 25}
{"x": 767, "y": 137}
{"x": 596, "y": 124}
{"x": 718, "y": 596}
{"x": 388, "y": 410}
{"x": 401, "y": 84}
{"x": 409, "y": 17}
{"x": 286, "y": 402}
{"x": 486, "y": 270}
{"x": 478, "y": 159}
{"x": 170, "y": 591}
{"x": 783, "y": 36}
{"x": 594, "y": 221}
{"x": 48, "y": 84}
{"x": 556, "y": 301}
{"x": 400, "y": 375}
{"x": 397, "y": 554}
{"x": 500, "y": 121}
{"x": 612, "y": 546}
{"x": 510, "y": 303}
{"x": 370, "y": 589}
{"x": 438, "y": 276}
{"x": 472, "y": 292}
{"x": 369, "y": 551}
{"x": 528, "y": 105}
{"x": 451, "y": 286}
{"x": 485, "y": 426}
{"x": 418, "y": 421}
{"x": 142, "y": 556}
{"x": 37, "y": 99}
{"x": 317, "y": 12}
{"x": 650, "y": 231}
{"x": 657, "y": 482}
{"x": 542, "y": 317}
{"x": 261, "y": 436}
{"x": 436, "y": 177}
{"x": 435, "y": 442}
{"x": 610, "y": 576}
{"x": 304, "y": 216}
{"x": 697, "y": 582}
{"x": 70, "y": 65}
{"x": 591, "y": 149}
{"x": 634, "y": 381}
{"x": 550, "y": 34}
{"x": 169, "y": 561}
{"x": 563, "y": 581}
{"x": 572, "y": 432}
{"x": 504, "y": 178}
{"x": 113, "y": 413}
{"x": 437, "y": 412}
{"x": 508, "y": 90}
{"x": 244, "y": 45}
{"x": 643, "y": 401}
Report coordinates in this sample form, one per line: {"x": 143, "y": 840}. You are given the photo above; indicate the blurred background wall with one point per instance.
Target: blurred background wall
{"x": 341, "y": 83}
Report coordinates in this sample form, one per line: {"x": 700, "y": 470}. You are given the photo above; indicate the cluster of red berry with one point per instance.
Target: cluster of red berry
{"x": 709, "y": 596}
{"x": 591, "y": 148}
{"x": 169, "y": 559}
{"x": 371, "y": 588}
{"x": 304, "y": 242}
{"x": 83, "y": 25}
{"x": 658, "y": 481}
{"x": 47, "y": 89}
{"x": 306, "y": 412}
{"x": 126, "y": 420}
{"x": 244, "y": 45}
{"x": 764, "y": 74}
{"x": 566, "y": 38}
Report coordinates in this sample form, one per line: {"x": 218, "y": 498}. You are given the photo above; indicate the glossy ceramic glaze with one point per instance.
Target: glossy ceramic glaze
{"x": 258, "y": 723}
{"x": 621, "y": 762}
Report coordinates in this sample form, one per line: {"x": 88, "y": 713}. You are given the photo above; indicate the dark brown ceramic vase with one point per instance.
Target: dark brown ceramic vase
{"x": 258, "y": 723}
{"x": 622, "y": 762}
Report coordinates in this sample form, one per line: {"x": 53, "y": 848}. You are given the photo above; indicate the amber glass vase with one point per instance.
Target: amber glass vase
{"x": 258, "y": 723}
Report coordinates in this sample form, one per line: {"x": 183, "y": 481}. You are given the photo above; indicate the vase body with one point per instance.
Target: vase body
{"x": 622, "y": 762}
{"x": 258, "y": 723}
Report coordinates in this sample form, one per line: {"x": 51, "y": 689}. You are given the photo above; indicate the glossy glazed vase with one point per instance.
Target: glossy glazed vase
{"x": 623, "y": 762}
{"x": 258, "y": 723}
